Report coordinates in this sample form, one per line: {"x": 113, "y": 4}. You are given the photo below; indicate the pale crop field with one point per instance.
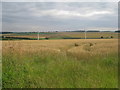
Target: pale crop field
{"x": 59, "y": 35}
{"x": 72, "y": 63}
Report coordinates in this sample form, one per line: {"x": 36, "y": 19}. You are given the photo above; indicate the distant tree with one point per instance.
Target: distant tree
{"x": 101, "y": 36}
{"x": 47, "y": 38}
{"x": 111, "y": 37}
{"x": 3, "y": 36}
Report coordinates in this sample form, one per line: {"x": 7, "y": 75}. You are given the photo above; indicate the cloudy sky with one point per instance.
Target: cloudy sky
{"x": 60, "y": 16}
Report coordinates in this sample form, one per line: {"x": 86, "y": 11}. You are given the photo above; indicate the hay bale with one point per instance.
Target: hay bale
{"x": 91, "y": 44}
{"x": 76, "y": 44}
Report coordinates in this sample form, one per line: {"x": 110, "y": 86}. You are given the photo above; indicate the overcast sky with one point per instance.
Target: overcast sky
{"x": 58, "y": 16}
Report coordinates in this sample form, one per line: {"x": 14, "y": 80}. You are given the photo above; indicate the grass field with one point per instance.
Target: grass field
{"x": 0, "y": 65}
{"x": 78, "y": 63}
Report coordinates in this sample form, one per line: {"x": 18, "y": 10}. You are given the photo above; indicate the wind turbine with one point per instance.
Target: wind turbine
{"x": 85, "y": 33}
{"x": 38, "y": 35}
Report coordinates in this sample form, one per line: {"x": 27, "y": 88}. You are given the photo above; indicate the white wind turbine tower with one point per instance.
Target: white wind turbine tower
{"x": 38, "y": 35}
{"x": 85, "y": 33}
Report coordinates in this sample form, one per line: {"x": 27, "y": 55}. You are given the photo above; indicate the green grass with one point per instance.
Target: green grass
{"x": 45, "y": 70}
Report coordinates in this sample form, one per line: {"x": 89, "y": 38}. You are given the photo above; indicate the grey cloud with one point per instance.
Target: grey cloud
{"x": 29, "y": 16}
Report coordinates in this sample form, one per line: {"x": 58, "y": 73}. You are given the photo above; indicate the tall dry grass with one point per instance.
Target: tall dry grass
{"x": 60, "y": 63}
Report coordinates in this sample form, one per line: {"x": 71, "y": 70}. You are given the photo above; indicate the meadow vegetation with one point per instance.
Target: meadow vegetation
{"x": 78, "y": 63}
{"x": 0, "y": 65}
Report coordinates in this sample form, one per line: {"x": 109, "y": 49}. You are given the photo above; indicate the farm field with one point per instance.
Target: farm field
{"x": 60, "y": 35}
{"x": 64, "y": 63}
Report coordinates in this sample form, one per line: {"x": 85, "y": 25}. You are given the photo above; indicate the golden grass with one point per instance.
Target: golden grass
{"x": 99, "y": 46}
{"x": 92, "y": 63}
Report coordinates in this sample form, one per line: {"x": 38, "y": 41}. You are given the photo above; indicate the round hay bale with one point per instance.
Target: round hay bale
{"x": 76, "y": 44}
